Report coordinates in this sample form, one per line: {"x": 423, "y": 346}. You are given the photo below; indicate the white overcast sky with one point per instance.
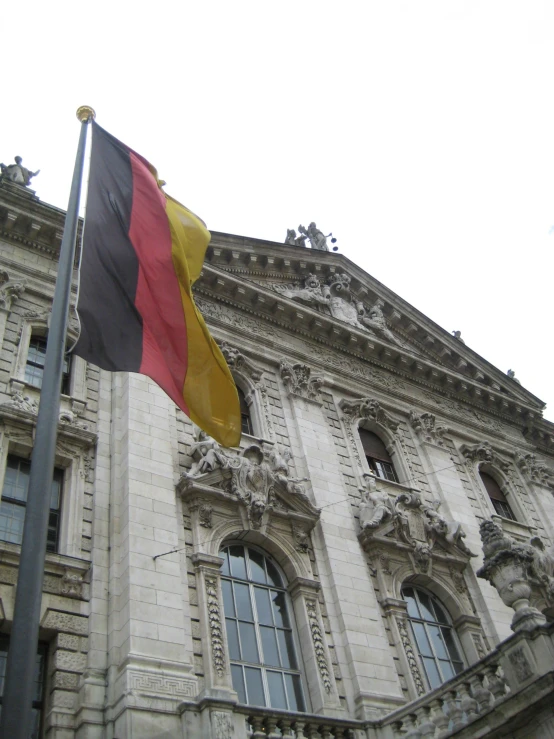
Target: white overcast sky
{"x": 421, "y": 133}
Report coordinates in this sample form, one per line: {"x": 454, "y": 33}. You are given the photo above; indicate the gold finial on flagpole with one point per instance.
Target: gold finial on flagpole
{"x": 86, "y": 113}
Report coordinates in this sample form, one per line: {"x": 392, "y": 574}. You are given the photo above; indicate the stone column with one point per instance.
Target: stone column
{"x": 150, "y": 657}
{"x": 366, "y": 661}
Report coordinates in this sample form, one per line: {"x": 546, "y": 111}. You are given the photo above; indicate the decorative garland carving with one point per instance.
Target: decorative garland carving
{"x": 368, "y": 409}
{"x": 298, "y": 381}
{"x": 483, "y": 452}
{"x": 426, "y": 427}
{"x": 214, "y": 617}
{"x": 301, "y": 539}
{"x": 317, "y": 638}
{"x": 402, "y": 623}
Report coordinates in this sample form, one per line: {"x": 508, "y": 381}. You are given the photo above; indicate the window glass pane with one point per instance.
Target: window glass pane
{"x": 446, "y": 669}
{"x": 269, "y": 646}
{"x": 16, "y": 479}
{"x": 228, "y": 605}
{"x": 12, "y": 517}
{"x": 432, "y": 673}
{"x": 3, "y": 660}
{"x": 286, "y": 647}
{"x": 458, "y": 667}
{"x": 294, "y": 693}
{"x": 263, "y": 606}
{"x": 442, "y": 618}
{"x": 425, "y": 606}
{"x": 242, "y": 600}
{"x": 409, "y": 597}
{"x": 254, "y": 686}
{"x": 421, "y": 639}
{"x": 225, "y": 566}
{"x": 451, "y": 645}
{"x": 55, "y": 494}
{"x": 257, "y": 570}
{"x": 53, "y": 525}
{"x": 273, "y": 577}
{"x": 232, "y": 638}
{"x": 238, "y": 682}
{"x": 39, "y": 674}
{"x": 276, "y": 690}
{"x": 438, "y": 645}
{"x": 280, "y": 609}
{"x": 248, "y": 645}
{"x": 238, "y": 566}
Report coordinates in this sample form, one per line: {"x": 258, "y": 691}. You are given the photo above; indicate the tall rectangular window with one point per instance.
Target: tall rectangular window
{"x": 34, "y": 369}
{"x": 14, "y": 502}
{"x": 38, "y": 693}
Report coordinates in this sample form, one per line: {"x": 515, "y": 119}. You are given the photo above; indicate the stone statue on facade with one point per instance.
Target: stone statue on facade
{"x": 452, "y": 531}
{"x": 207, "y": 455}
{"x": 17, "y": 173}
{"x": 295, "y": 240}
{"x": 317, "y": 239}
{"x": 520, "y": 572}
{"x": 375, "y": 507}
{"x": 375, "y": 320}
{"x": 512, "y": 375}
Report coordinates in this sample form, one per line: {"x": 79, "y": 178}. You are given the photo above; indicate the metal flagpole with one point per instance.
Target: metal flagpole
{"x": 22, "y": 656}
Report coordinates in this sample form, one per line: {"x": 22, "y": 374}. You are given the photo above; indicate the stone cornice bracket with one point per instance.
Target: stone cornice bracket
{"x": 534, "y": 470}
{"x": 483, "y": 452}
{"x": 298, "y": 380}
{"x": 426, "y": 427}
{"x": 10, "y": 290}
{"x": 368, "y": 409}
{"x": 237, "y": 361}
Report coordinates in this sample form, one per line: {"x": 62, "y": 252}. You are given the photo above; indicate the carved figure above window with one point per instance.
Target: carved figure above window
{"x": 535, "y": 470}
{"x": 368, "y": 409}
{"x": 426, "y": 427}
{"x": 258, "y": 477}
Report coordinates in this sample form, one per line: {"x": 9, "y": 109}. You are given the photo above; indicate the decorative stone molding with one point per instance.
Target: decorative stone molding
{"x": 521, "y": 573}
{"x": 402, "y": 623}
{"x": 63, "y": 576}
{"x": 216, "y": 629}
{"x": 534, "y": 470}
{"x": 483, "y": 452}
{"x": 258, "y": 477}
{"x": 368, "y": 409}
{"x": 222, "y": 723}
{"x": 319, "y": 648}
{"x": 298, "y": 381}
{"x": 411, "y": 522}
{"x": 426, "y": 427}
{"x": 238, "y": 362}
{"x": 520, "y": 664}
{"x": 10, "y": 290}
{"x": 205, "y": 511}
{"x": 301, "y": 538}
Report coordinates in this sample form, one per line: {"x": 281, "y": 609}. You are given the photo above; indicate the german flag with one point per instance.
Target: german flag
{"x": 142, "y": 252}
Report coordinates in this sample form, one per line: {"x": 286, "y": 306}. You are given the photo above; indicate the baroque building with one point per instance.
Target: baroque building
{"x": 373, "y": 561}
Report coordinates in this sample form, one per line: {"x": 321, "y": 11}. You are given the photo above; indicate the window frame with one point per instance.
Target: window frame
{"x": 35, "y": 364}
{"x": 38, "y": 704}
{"x": 293, "y": 630}
{"x": 425, "y": 623}
{"x": 494, "y": 501}
{"x": 58, "y": 473}
{"x": 376, "y": 464}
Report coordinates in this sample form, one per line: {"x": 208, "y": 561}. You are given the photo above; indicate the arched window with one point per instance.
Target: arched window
{"x": 245, "y": 418}
{"x": 264, "y": 664}
{"x": 378, "y": 458}
{"x": 34, "y": 368}
{"x": 498, "y": 499}
{"x": 434, "y": 636}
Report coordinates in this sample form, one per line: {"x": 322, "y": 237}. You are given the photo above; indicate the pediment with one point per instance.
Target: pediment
{"x": 327, "y": 295}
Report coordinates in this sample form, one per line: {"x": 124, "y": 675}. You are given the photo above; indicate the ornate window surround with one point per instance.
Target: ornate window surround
{"x": 368, "y": 413}
{"x": 249, "y": 379}
{"x": 482, "y": 457}
{"x": 220, "y": 517}
{"x": 35, "y": 323}
{"x": 73, "y": 450}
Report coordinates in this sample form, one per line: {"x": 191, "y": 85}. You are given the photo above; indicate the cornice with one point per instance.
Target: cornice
{"x": 226, "y": 289}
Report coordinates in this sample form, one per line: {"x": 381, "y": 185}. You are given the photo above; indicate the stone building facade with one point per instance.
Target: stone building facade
{"x": 326, "y": 578}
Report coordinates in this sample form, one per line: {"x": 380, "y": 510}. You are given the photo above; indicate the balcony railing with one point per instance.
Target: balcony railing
{"x": 269, "y": 723}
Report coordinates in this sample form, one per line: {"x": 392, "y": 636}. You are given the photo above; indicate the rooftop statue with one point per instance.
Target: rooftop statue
{"x": 17, "y": 173}
{"x": 316, "y": 237}
{"x": 295, "y": 240}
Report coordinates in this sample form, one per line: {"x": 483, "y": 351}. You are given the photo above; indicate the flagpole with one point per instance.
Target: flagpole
{"x": 20, "y": 672}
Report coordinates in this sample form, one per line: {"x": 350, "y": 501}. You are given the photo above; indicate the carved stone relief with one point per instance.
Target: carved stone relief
{"x": 319, "y": 648}
{"x": 216, "y": 632}
{"x": 10, "y": 290}
{"x": 298, "y": 380}
{"x": 426, "y": 427}
{"x": 402, "y": 623}
{"x": 368, "y": 409}
{"x": 534, "y": 470}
